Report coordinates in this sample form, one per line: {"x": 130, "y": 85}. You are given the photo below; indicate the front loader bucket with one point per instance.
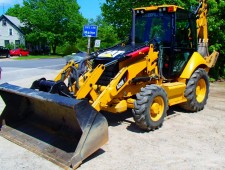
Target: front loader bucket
{"x": 61, "y": 129}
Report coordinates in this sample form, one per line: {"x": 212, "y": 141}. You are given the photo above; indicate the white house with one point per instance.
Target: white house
{"x": 10, "y": 31}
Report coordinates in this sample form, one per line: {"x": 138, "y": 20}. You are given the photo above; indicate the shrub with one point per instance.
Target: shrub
{"x": 67, "y": 49}
{"x": 10, "y": 46}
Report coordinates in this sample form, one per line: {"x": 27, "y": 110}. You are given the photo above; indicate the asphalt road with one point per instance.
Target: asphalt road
{"x": 14, "y": 70}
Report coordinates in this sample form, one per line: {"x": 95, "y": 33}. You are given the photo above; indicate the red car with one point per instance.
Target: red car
{"x": 19, "y": 52}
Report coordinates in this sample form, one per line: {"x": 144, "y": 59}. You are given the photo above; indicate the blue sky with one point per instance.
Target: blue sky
{"x": 89, "y": 8}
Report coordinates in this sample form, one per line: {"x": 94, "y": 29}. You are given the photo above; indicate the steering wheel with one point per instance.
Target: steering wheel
{"x": 156, "y": 41}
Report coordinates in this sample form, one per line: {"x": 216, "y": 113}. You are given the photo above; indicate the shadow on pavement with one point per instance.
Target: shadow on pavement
{"x": 127, "y": 117}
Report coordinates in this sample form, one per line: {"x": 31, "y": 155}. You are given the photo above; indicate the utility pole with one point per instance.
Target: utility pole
{"x": 89, "y": 44}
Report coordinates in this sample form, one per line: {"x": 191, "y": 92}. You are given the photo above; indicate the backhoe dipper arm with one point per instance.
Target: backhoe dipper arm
{"x": 202, "y": 33}
{"x": 202, "y": 27}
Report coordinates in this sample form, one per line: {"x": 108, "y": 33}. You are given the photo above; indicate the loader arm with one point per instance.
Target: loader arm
{"x": 125, "y": 77}
{"x": 64, "y": 73}
{"x": 90, "y": 82}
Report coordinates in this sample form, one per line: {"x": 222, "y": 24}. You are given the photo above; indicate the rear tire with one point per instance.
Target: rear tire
{"x": 197, "y": 91}
{"x": 150, "y": 107}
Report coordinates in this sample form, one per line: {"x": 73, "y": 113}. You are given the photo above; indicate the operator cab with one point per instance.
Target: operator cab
{"x": 172, "y": 30}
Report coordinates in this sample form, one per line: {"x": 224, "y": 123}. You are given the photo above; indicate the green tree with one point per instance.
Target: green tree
{"x": 51, "y": 21}
{"x": 216, "y": 24}
{"x": 14, "y": 11}
{"x": 119, "y": 13}
{"x": 106, "y": 33}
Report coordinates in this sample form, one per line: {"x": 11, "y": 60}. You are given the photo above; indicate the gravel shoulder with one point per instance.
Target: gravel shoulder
{"x": 185, "y": 141}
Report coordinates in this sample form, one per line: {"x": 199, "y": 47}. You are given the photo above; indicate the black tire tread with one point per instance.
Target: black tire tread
{"x": 141, "y": 105}
{"x": 192, "y": 104}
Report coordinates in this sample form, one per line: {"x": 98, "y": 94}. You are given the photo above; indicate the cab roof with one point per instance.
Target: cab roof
{"x": 154, "y": 8}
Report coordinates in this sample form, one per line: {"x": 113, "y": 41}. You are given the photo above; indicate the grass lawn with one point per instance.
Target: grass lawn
{"x": 30, "y": 57}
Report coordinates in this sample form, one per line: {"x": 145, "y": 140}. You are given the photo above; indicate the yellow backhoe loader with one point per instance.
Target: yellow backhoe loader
{"x": 165, "y": 62}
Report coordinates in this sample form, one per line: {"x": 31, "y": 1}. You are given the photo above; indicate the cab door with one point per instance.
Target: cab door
{"x": 183, "y": 46}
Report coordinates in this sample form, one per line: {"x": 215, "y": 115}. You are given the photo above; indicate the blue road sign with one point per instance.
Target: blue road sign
{"x": 90, "y": 31}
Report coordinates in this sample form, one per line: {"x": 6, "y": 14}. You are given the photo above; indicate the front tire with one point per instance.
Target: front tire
{"x": 150, "y": 107}
{"x": 197, "y": 91}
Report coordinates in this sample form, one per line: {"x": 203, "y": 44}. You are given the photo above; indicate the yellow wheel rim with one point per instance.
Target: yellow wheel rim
{"x": 201, "y": 90}
{"x": 157, "y": 108}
